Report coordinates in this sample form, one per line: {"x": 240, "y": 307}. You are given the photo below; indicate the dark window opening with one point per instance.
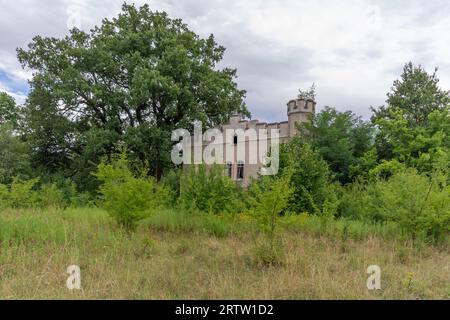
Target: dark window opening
{"x": 240, "y": 171}
{"x": 229, "y": 169}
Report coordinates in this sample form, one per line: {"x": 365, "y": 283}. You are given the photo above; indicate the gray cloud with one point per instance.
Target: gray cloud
{"x": 353, "y": 50}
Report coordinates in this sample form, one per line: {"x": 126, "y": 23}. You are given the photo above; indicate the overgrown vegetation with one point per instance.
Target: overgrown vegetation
{"x": 187, "y": 258}
{"x": 95, "y": 132}
{"x": 127, "y": 198}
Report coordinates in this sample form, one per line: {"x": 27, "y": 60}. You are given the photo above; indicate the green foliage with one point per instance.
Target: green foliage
{"x": 19, "y": 194}
{"x": 47, "y": 133}
{"x": 9, "y": 112}
{"x": 134, "y": 79}
{"x": 309, "y": 176}
{"x": 128, "y": 199}
{"x": 14, "y": 155}
{"x": 385, "y": 169}
{"x": 268, "y": 199}
{"x": 425, "y": 146}
{"x": 209, "y": 189}
{"x": 82, "y": 200}
{"x": 50, "y": 195}
{"x": 341, "y": 138}
{"x": 171, "y": 180}
{"x": 417, "y": 94}
{"x": 308, "y": 94}
{"x": 28, "y": 194}
{"x": 176, "y": 220}
{"x": 341, "y": 228}
{"x": 405, "y": 122}
{"x": 419, "y": 204}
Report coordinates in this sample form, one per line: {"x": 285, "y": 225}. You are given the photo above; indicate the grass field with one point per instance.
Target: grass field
{"x": 175, "y": 256}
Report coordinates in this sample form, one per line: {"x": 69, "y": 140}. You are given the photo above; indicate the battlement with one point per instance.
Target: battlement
{"x": 298, "y": 111}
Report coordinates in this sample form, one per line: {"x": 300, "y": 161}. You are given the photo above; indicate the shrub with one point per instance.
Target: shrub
{"x": 208, "y": 189}
{"x": 82, "y": 199}
{"x": 419, "y": 204}
{"x": 49, "y": 195}
{"x": 19, "y": 194}
{"x": 268, "y": 199}
{"x": 171, "y": 181}
{"x": 128, "y": 199}
{"x": 310, "y": 176}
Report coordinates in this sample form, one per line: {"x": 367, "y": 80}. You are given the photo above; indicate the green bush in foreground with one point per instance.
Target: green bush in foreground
{"x": 268, "y": 199}
{"x": 419, "y": 204}
{"x": 208, "y": 189}
{"x": 19, "y": 194}
{"x": 128, "y": 199}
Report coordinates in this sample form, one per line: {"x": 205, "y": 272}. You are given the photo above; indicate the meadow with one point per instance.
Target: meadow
{"x": 88, "y": 177}
{"x": 173, "y": 255}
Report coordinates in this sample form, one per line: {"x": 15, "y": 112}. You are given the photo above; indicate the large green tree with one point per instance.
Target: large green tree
{"x": 413, "y": 127}
{"x": 416, "y": 93}
{"x": 341, "y": 138}
{"x": 425, "y": 147}
{"x": 9, "y": 112}
{"x": 14, "y": 155}
{"x": 131, "y": 80}
{"x": 14, "y": 152}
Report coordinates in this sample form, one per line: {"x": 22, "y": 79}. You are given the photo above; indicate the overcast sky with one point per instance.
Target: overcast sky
{"x": 352, "y": 49}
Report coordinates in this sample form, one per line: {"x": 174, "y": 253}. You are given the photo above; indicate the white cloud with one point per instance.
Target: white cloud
{"x": 10, "y": 65}
{"x": 18, "y": 97}
{"x": 352, "y": 49}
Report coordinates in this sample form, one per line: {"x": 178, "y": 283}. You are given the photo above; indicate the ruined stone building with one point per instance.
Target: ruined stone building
{"x": 243, "y": 168}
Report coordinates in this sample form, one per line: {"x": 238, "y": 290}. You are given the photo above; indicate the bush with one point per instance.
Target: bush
{"x": 268, "y": 199}
{"x": 310, "y": 176}
{"x": 19, "y": 194}
{"x": 82, "y": 199}
{"x": 208, "y": 189}
{"x": 419, "y": 204}
{"x": 128, "y": 199}
{"x": 49, "y": 195}
{"x": 171, "y": 181}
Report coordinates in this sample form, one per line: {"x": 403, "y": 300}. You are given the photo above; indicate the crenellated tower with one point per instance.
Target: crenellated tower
{"x": 299, "y": 111}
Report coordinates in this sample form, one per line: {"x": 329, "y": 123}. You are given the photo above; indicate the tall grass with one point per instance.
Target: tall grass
{"x": 176, "y": 220}
{"x": 175, "y": 255}
{"x": 51, "y": 225}
{"x": 341, "y": 227}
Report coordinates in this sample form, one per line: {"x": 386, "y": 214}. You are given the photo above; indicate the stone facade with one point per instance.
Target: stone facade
{"x": 298, "y": 111}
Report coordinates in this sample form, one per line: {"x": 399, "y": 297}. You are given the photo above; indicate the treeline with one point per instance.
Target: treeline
{"x": 96, "y": 129}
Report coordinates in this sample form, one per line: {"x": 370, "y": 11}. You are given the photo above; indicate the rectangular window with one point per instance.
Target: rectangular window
{"x": 229, "y": 169}
{"x": 240, "y": 171}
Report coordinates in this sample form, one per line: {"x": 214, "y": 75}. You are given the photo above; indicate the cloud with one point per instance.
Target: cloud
{"x": 352, "y": 49}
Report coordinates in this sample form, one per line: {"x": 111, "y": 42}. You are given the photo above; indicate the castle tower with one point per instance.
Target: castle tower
{"x": 299, "y": 111}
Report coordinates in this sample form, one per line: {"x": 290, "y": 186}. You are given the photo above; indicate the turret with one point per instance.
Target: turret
{"x": 299, "y": 111}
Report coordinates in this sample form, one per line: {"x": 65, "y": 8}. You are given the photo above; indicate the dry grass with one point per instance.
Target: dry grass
{"x": 154, "y": 264}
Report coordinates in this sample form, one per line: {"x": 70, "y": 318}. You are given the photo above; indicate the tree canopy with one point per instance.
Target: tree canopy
{"x": 9, "y": 111}
{"x": 131, "y": 80}
{"x": 416, "y": 93}
{"x": 413, "y": 127}
{"x": 341, "y": 138}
